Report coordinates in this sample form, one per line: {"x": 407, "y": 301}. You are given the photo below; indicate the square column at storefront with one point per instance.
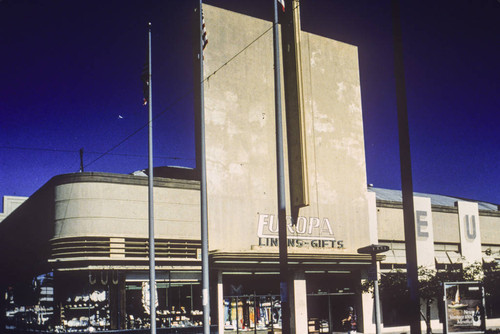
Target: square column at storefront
{"x": 368, "y": 312}
{"x": 220, "y": 303}
{"x": 298, "y": 303}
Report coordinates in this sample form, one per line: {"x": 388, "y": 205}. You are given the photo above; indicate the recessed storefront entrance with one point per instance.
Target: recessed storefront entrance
{"x": 252, "y": 302}
{"x": 326, "y": 311}
{"x": 328, "y": 298}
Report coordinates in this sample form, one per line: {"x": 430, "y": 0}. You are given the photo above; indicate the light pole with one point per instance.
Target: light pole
{"x": 374, "y": 250}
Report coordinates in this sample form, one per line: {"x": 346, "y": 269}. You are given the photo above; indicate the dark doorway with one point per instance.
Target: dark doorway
{"x": 328, "y": 299}
{"x": 325, "y": 312}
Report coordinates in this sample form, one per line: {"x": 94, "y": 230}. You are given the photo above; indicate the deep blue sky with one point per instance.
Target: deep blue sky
{"x": 70, "y": 79}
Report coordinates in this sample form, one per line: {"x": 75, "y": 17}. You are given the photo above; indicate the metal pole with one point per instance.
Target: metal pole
{"x": 152, "y": 278}
{"x": 203, "y": 194}
{"x": 283, "y": 251}
{"x": 237, "y": 316}
{"x": 376, "y": 296}
{"x": 406, "y": 173}
{"x": 81, "y": 160}
{"x": 254, "y": 313}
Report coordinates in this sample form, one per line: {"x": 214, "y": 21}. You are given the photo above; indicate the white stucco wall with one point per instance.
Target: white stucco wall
{"x": 121, "y": 210}
{"x": 240, "y": 135}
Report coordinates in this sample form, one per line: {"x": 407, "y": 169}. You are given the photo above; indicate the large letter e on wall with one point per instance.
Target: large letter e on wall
{"x": 422, "y": 224}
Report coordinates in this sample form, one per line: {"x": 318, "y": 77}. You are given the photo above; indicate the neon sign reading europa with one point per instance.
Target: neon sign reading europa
{"x": 309, "y": 231}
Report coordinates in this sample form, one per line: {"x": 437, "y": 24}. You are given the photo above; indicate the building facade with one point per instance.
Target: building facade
{"x": 74, "y": 256}
{"x": 242, "y": 180}
{"x": 83, "y": 259}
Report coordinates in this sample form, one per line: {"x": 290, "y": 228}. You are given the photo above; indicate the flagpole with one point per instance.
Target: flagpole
{"x": 282, "y": 234}
{"x": 203, "y": 191}
{"x": 152, "y": 278}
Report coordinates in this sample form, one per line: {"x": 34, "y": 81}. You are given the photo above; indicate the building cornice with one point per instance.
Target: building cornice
{"x": 435, "y": 208}
{"x": 99, "y": 177}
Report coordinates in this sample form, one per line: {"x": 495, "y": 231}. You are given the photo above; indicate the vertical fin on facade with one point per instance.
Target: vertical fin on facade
{"x": 294, "y": 106}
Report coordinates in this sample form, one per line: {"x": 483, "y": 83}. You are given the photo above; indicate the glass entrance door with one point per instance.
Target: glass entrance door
{"x": 326, "y": 311}
{"x": 328, "y": 299}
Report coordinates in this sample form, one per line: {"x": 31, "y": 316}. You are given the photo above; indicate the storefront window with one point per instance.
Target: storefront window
{"x": 178, "y": 305}
{"x": 111, "y": 300}
{"x": 83, "y": 301}
{"x": 251, "y": 303}
{"x": 86, "y": 311}
{"x": 252, "y": 313}
{"x": 30, "y": 305}
{"x": 178, "y": 296}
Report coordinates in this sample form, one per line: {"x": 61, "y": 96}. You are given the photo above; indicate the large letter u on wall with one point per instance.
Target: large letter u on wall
{"x": 471, "y": 230}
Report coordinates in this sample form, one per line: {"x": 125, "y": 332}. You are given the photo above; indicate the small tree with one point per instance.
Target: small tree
{"x": 394, "y": 288}
{"x": 429, "y": 288}
{"x": 491, "y": 283}
{"x": 393, "y": 291}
